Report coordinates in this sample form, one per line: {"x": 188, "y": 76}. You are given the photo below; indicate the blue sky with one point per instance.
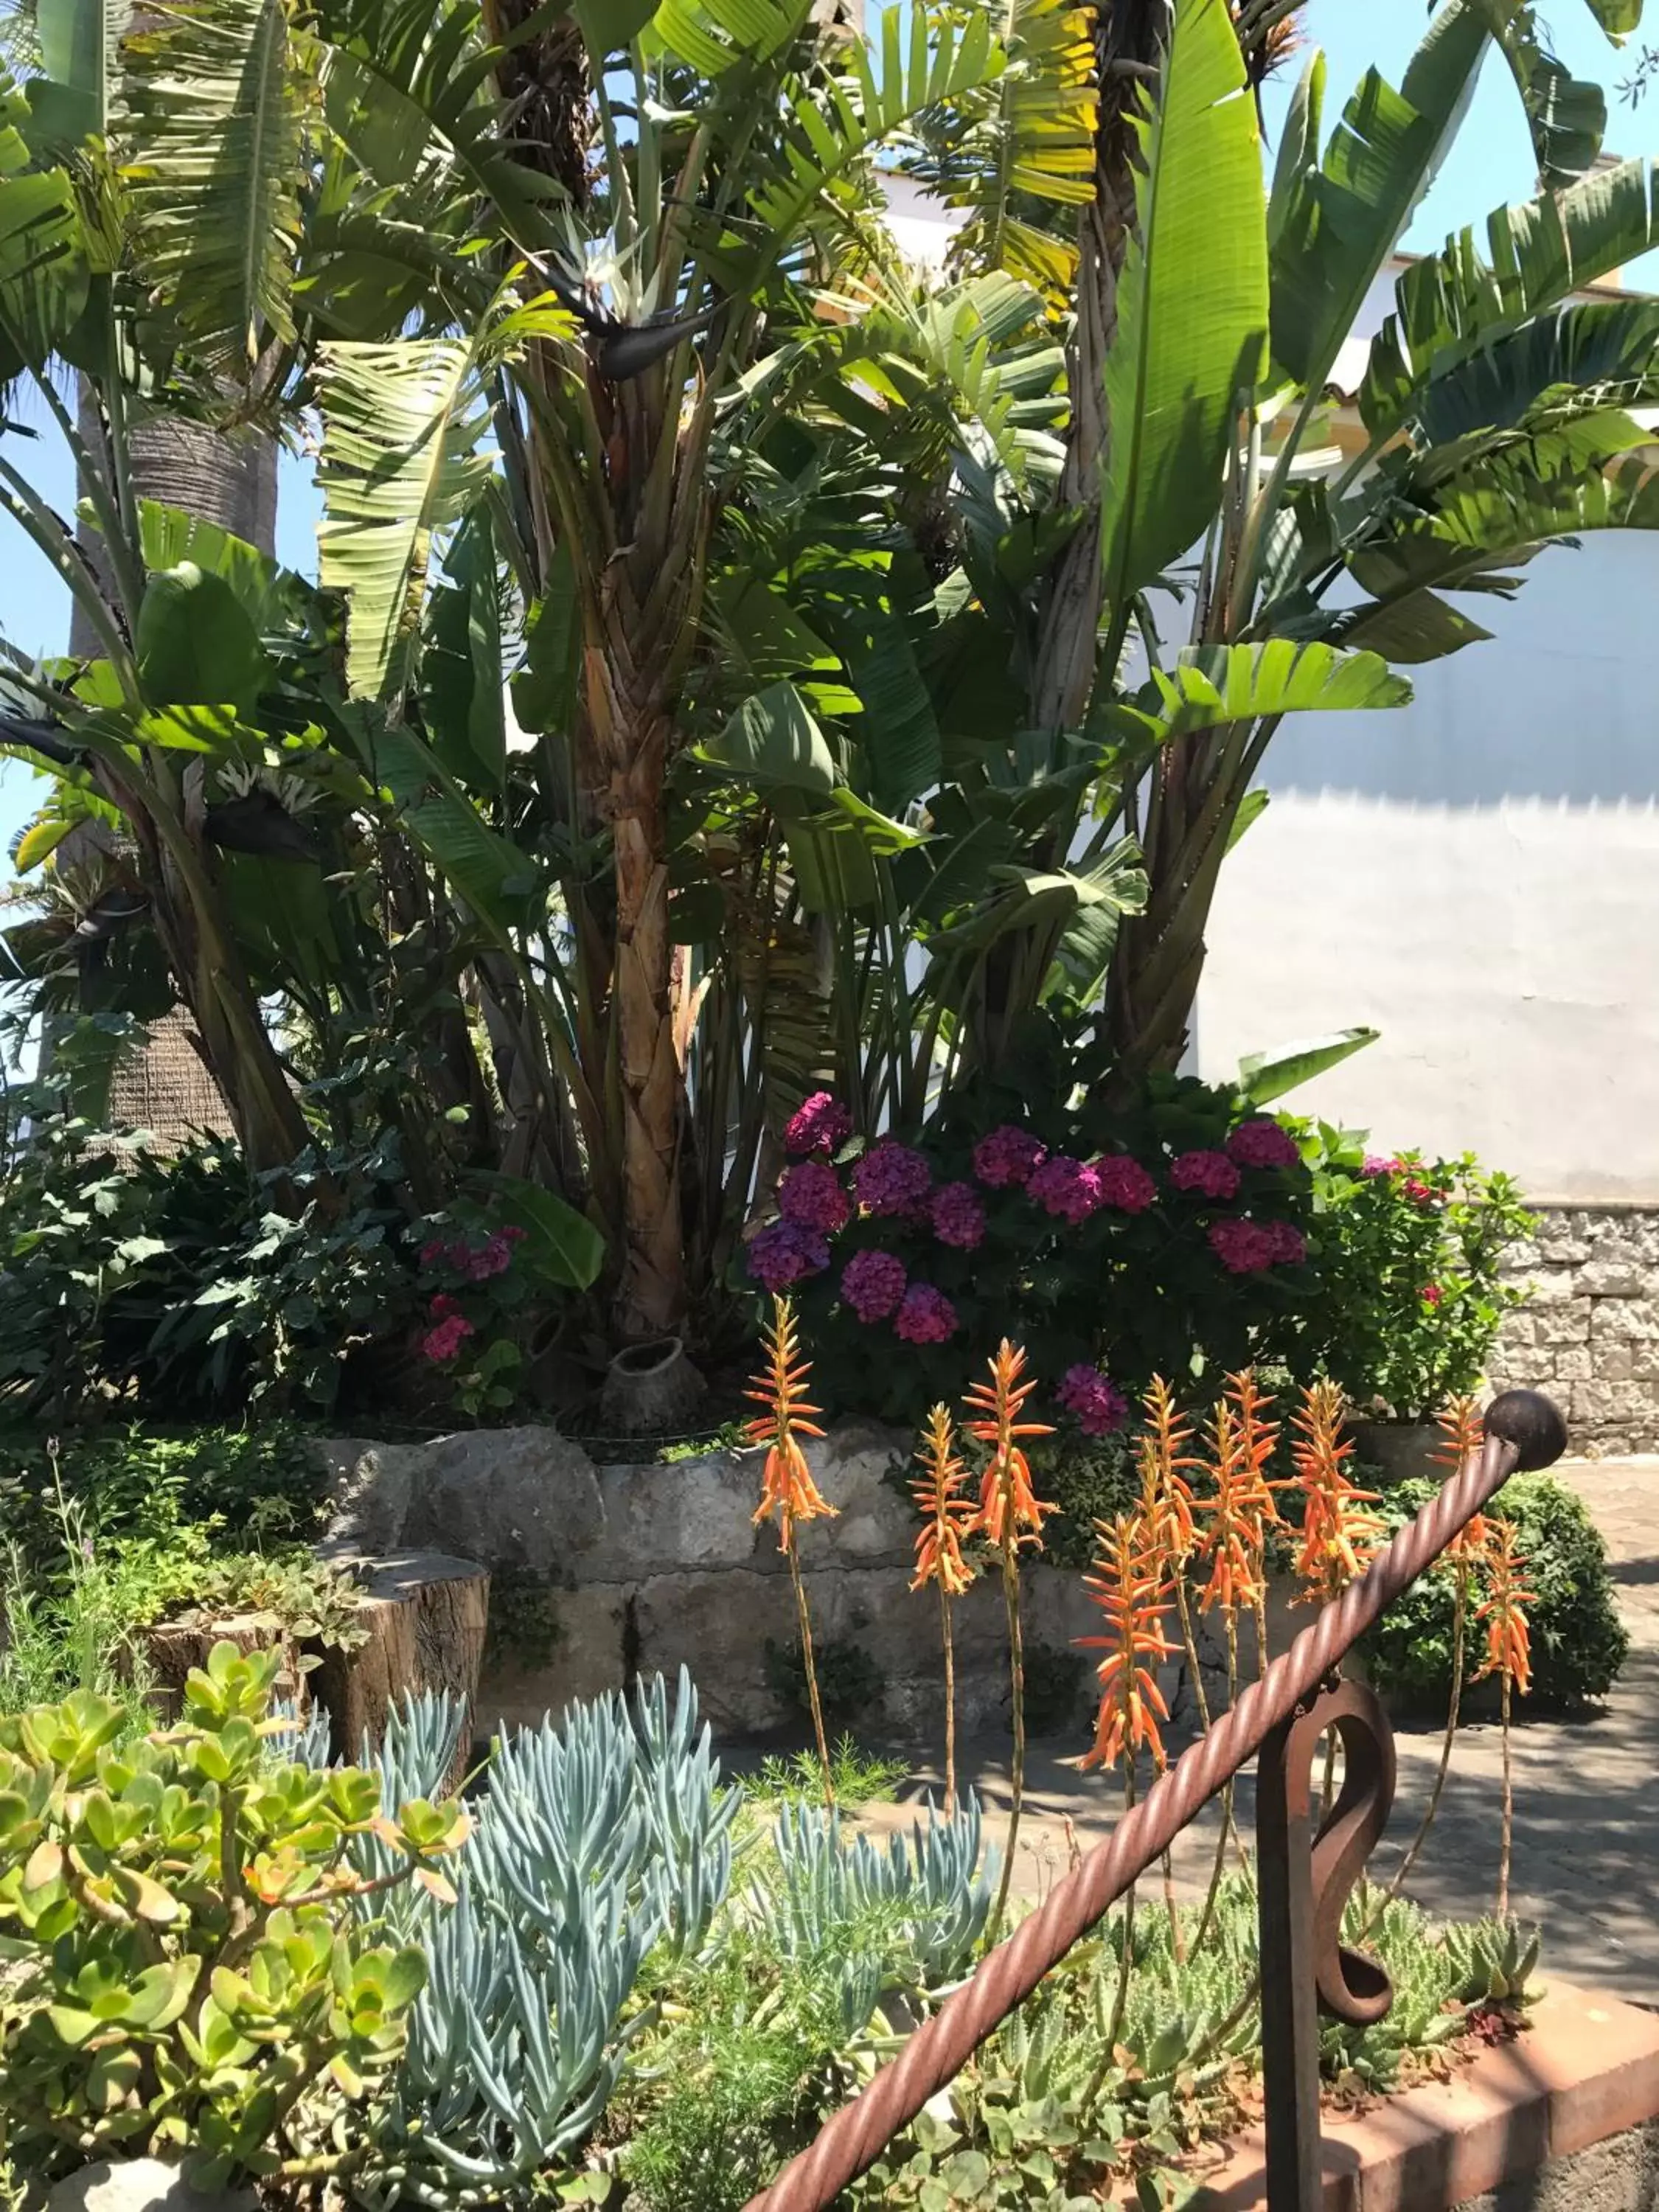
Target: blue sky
{"x": 1491, "y": 162}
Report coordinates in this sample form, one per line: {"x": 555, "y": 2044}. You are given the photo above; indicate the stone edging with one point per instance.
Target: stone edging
{"x": 1544, "y": 2111}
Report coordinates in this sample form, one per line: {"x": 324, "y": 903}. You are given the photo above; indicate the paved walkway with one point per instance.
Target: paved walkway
{"x": 1586, "y": 1864}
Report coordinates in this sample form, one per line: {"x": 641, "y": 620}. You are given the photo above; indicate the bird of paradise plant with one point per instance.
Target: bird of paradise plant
{"x": 947, "y": 1520}
{"x": 1508, "y": 1655}
{"x": 1131, "y": 1585}
{"x": 787, "y": 1489}
{"x": 1462, "y": 1432}
{"x": 1010, "y": 1514}
{"x": 1339, "y": 1536}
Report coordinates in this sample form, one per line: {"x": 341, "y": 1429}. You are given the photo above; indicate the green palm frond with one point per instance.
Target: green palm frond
{"x": 715, "y": 35}
{"x": 402, "y": 428}
{"x": 214, "y": 104}
{"x": 1031, "y": 135}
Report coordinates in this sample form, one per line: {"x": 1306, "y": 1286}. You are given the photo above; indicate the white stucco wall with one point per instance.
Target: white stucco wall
{"x": 1478, "y": 876}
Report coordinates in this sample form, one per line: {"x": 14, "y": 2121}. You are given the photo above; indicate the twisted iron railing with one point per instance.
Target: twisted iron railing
{"x": 1303, "y": 1881}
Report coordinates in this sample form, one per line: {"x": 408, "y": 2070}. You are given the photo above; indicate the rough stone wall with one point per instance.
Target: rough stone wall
{"x": 643, "y": 1568}
{"x": 1588, "y": 1333}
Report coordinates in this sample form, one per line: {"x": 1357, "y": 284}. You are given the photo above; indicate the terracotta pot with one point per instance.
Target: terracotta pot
{"x": 1404, "y": 1450}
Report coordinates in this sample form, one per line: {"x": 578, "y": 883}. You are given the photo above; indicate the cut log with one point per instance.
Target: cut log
{"x": 171, "y": 1647}
{"x": 425, "y": 1615}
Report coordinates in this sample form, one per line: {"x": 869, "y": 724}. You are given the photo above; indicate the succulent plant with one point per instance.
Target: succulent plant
{"x": 594, "y": 1840}
{"x": 1494, "y": 1961}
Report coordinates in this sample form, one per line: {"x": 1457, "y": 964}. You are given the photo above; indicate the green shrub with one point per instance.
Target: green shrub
{"x": 1579, "y": 1641}
{"x": 188, "y": 1974}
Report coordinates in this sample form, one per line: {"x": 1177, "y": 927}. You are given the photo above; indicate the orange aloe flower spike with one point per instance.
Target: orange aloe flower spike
{"x": 1232, "y": 1540}
{"x": 1462, "y": 1432}
{"x": 1257, "y": 1436}
{"x": 787, "y": 1486}
{"x": 1010, "y": 1510}
{"x": 1509, "y": 1638}
{"x": 1166, "y": 1496}
{"x": 947, "y": 1516}
{"x": 1339, "y": 1536}
{"x": 1130, "y": 1584}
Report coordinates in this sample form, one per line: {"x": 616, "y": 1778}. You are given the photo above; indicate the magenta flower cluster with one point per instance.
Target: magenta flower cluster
{"x": 1124, "y": 1183}
{"x": 925, "y": 1316}
{"x": 1007, "y": 1157}
{"x": 891, "y": 1178}
{"x": 1212, "y": 1175}
{"x": 873, "y": 1283}
{"x": 958, "y": 1216}
{"x": 819, "y": 1124}
{"x": 452, "y": 1329}
{"x": 1067, "y": 1189}
{"x": 783, "y": 1254}
{"x": 1414, "y": 1188}
{"x": 1094, "y": 1398}
{"x": 811, "y": 1195}
{"x": 1248, "y": 1248}
{"x": 1262, "y": 1143}
{"x": 493, "y": 1257}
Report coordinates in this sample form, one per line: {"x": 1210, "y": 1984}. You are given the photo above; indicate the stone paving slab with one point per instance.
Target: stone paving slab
{"x": 1586, "y": 1861}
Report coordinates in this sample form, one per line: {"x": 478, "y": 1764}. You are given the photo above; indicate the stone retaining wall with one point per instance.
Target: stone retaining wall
{"x": 1588, "y": 1333}
{"x": 640, "y": 1569}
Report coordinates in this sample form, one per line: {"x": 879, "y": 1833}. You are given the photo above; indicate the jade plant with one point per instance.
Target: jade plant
{"x": 191, "y": 1969}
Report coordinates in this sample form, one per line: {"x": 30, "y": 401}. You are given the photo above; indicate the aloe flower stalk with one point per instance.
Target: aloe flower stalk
{"x": 947, "y": 1519}
{"x": 1010, "y": 1514}
{"x": 787, "y": 1489}
{"x": 1508, "y": 1655}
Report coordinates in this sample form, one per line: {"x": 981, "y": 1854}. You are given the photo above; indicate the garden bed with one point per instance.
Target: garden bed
{"x": 1563, "y": 2117}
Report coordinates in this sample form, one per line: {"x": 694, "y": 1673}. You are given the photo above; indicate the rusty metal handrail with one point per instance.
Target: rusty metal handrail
{"x": 1523, "y": 1431}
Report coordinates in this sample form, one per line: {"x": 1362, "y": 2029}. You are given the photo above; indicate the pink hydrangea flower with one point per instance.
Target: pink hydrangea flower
{"x": 925, "y": 1316}
{"x": 1421, "y": 1193}
{"x": 1290, "y": 1245}
{"x": 1376, "y": 1164}
{"x": 1243, "y": 1248}
{"x": 819, "y": 1124}
{"x": 1124, "y": 1183}
{"x": 1210, "y": 1174}
{"x": 811, "y": 1195}
{"x": 873, "y": 1283}
{"x": 784, "y": 1252}
{"x": 1099, "y": 1405}
{"x": 1431, "y": 1294}
{"x": 958, "y": 1216}
{"x": 446, "y": 1340}
{"x": 891, "y": 1178}
{"x": 1007, "y": 1156}
{"x": 1262, "y": 1143}
{"x": 442, "y": 1306}
{"x": 1065, "y": 1188}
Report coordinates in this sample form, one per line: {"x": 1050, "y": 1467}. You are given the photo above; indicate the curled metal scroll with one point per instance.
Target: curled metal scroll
{"x": 1352, "y": 1986}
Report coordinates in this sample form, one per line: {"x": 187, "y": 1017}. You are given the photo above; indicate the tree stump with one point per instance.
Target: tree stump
{"x": 426, "y": 1614}
{"x": 423, "y": 1615}
{"x": 172, "y": 1647}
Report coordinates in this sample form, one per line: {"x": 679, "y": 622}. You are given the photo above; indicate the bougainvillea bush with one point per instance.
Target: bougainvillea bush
{"x": 1169, "y": 1230}
{"x": 1410, "y": 1252}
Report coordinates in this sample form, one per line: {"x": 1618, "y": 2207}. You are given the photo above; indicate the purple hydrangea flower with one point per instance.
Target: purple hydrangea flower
{"x": 820, "y": 1124}
{"x": 1124, "y": 1183}
{"x": 1376, "y": 1164}
{"x": 1290, "y": 1245}
{"x": 925, "y": 1316}
{"x": 1212, "y": 1175}
{"x": 873, "y": 1283}
{"x": 891, "y": 1178}
{"x": 958, "y": 1216}
{"x": 1262, "y": 1143}
{"x": 785, "y": 1253}
{"x": 1007, "y": 1156}
{"x": 1065, "y": 1188}
{"x": 1099, "y": 1405}
{"x": 811, "y": 1195}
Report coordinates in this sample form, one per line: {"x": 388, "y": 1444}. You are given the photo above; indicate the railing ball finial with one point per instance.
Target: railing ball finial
{"x": 1533, "y": 1424}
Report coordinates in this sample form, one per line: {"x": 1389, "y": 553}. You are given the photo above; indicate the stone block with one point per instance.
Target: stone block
{"x": 1625, "y": 1320}
{"x": 1572, "y": 1362}
{"x": 875, "y": 1523}
{"x": 589, "y": 1655}
{"x": 1546, "y": 1286}
{"x": 687, "y": 1514}
{"x": 1565, "y": 1324}
{"x": 717, "y": 1623}
{"x": 508, "y": 1498}
{"x": 141, "y": 2185}
{"x": 1624, "y": 1277}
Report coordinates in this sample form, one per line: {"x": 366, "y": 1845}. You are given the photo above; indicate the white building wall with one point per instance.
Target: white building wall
{"x": 1478, "y": 876}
